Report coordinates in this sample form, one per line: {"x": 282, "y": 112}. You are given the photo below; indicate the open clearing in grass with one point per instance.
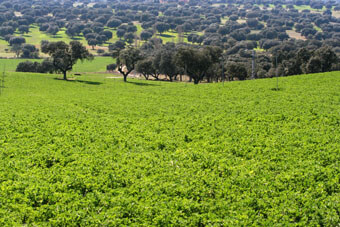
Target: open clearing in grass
{"x": 241, "y": 21}
{"x": 99, "y": 151}
{"x": 11, "y": 64}
{"x": 336, "y": 14}
{"x": 224, "y": 20}
{"x": 302, "y": 7}
{"x": 295, "y": 35}
{"x": 35, "y": 37}
{"x": 98, "y": 64}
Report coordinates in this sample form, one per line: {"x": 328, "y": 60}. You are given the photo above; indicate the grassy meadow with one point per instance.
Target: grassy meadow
{"x": 11, "y": 64}
{"x": 98, "y": 64}
{"x": 35, "y": 37}
{"x": 98, "y": 151}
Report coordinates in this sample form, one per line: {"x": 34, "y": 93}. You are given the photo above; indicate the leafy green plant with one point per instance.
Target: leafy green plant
{"x": 99, "y": 151}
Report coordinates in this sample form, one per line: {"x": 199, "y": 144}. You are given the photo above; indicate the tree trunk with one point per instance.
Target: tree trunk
{"x": 123, "y": 73}
{"x": 155, "y": 76}
{"x": 196, "y": 80}
{"x": 64, "y": 72}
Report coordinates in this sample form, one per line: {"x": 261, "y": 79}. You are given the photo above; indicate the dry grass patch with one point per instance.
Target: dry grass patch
{"x": 336, "y": 14}
{"x": 295, "y": 35}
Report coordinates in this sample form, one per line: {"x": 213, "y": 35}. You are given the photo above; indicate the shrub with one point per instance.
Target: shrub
{"x": 35, "y": 67}
{"x": 111, "y": 67}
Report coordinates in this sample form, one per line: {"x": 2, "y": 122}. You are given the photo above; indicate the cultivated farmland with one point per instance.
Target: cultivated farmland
{"x": 99, "y": 151}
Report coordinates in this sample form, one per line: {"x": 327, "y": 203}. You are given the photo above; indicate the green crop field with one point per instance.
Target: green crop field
{"x": 101, "y": 152}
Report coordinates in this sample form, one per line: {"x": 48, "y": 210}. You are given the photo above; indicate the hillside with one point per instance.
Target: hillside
{"x": 98, "y": 151}
{"x": 260, "y": 39}
{"x": 235, "y": 25}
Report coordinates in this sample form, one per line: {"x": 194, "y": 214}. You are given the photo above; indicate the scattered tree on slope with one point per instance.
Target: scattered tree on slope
{"x": 64, "y": 55}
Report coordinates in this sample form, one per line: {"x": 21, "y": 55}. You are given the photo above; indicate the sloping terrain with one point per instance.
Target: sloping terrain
{"x": 99, "y": 151}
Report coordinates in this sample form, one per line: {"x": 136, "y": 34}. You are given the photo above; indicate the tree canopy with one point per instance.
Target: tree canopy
{"x": 127, "y": 60}
{"x": 64, "y": 56}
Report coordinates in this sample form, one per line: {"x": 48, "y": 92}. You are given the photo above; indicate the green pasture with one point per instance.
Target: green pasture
{"x": 35, "y": 36}
{"x": 170, "y": 36}
{"x": 11, "y": 64}
{"x": 98, "y": 64}
{"x": 114, "y": 35}
{"x": 317, "y": 28}
{"x": 302, "y": 7}
{"x": 100, "y": 152}
{"x": 262, "y": 5}
{"x": 259, "y": 49}
{"x": 224, "y": 20}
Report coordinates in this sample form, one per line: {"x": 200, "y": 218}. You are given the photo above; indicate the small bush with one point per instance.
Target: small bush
{"x": 111, "y": 67}
{"x": 35, "y": 67}
{"x": 100, "y": 51}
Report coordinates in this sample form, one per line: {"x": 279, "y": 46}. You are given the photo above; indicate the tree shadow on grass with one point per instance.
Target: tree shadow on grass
{"x": 141, "y": 84}
{"x": 81, "y": 81}
{"x": 88, "y": 82}
{"x": 167, "y": 36}
{"x": 277, "y": 89}
{"x": 76, "y": 38}
{"x": 56, "y": 36}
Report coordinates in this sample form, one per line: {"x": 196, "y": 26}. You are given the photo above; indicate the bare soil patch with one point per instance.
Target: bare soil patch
{"x": 336, "y": 14}
{"x": 295, "y": 35}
